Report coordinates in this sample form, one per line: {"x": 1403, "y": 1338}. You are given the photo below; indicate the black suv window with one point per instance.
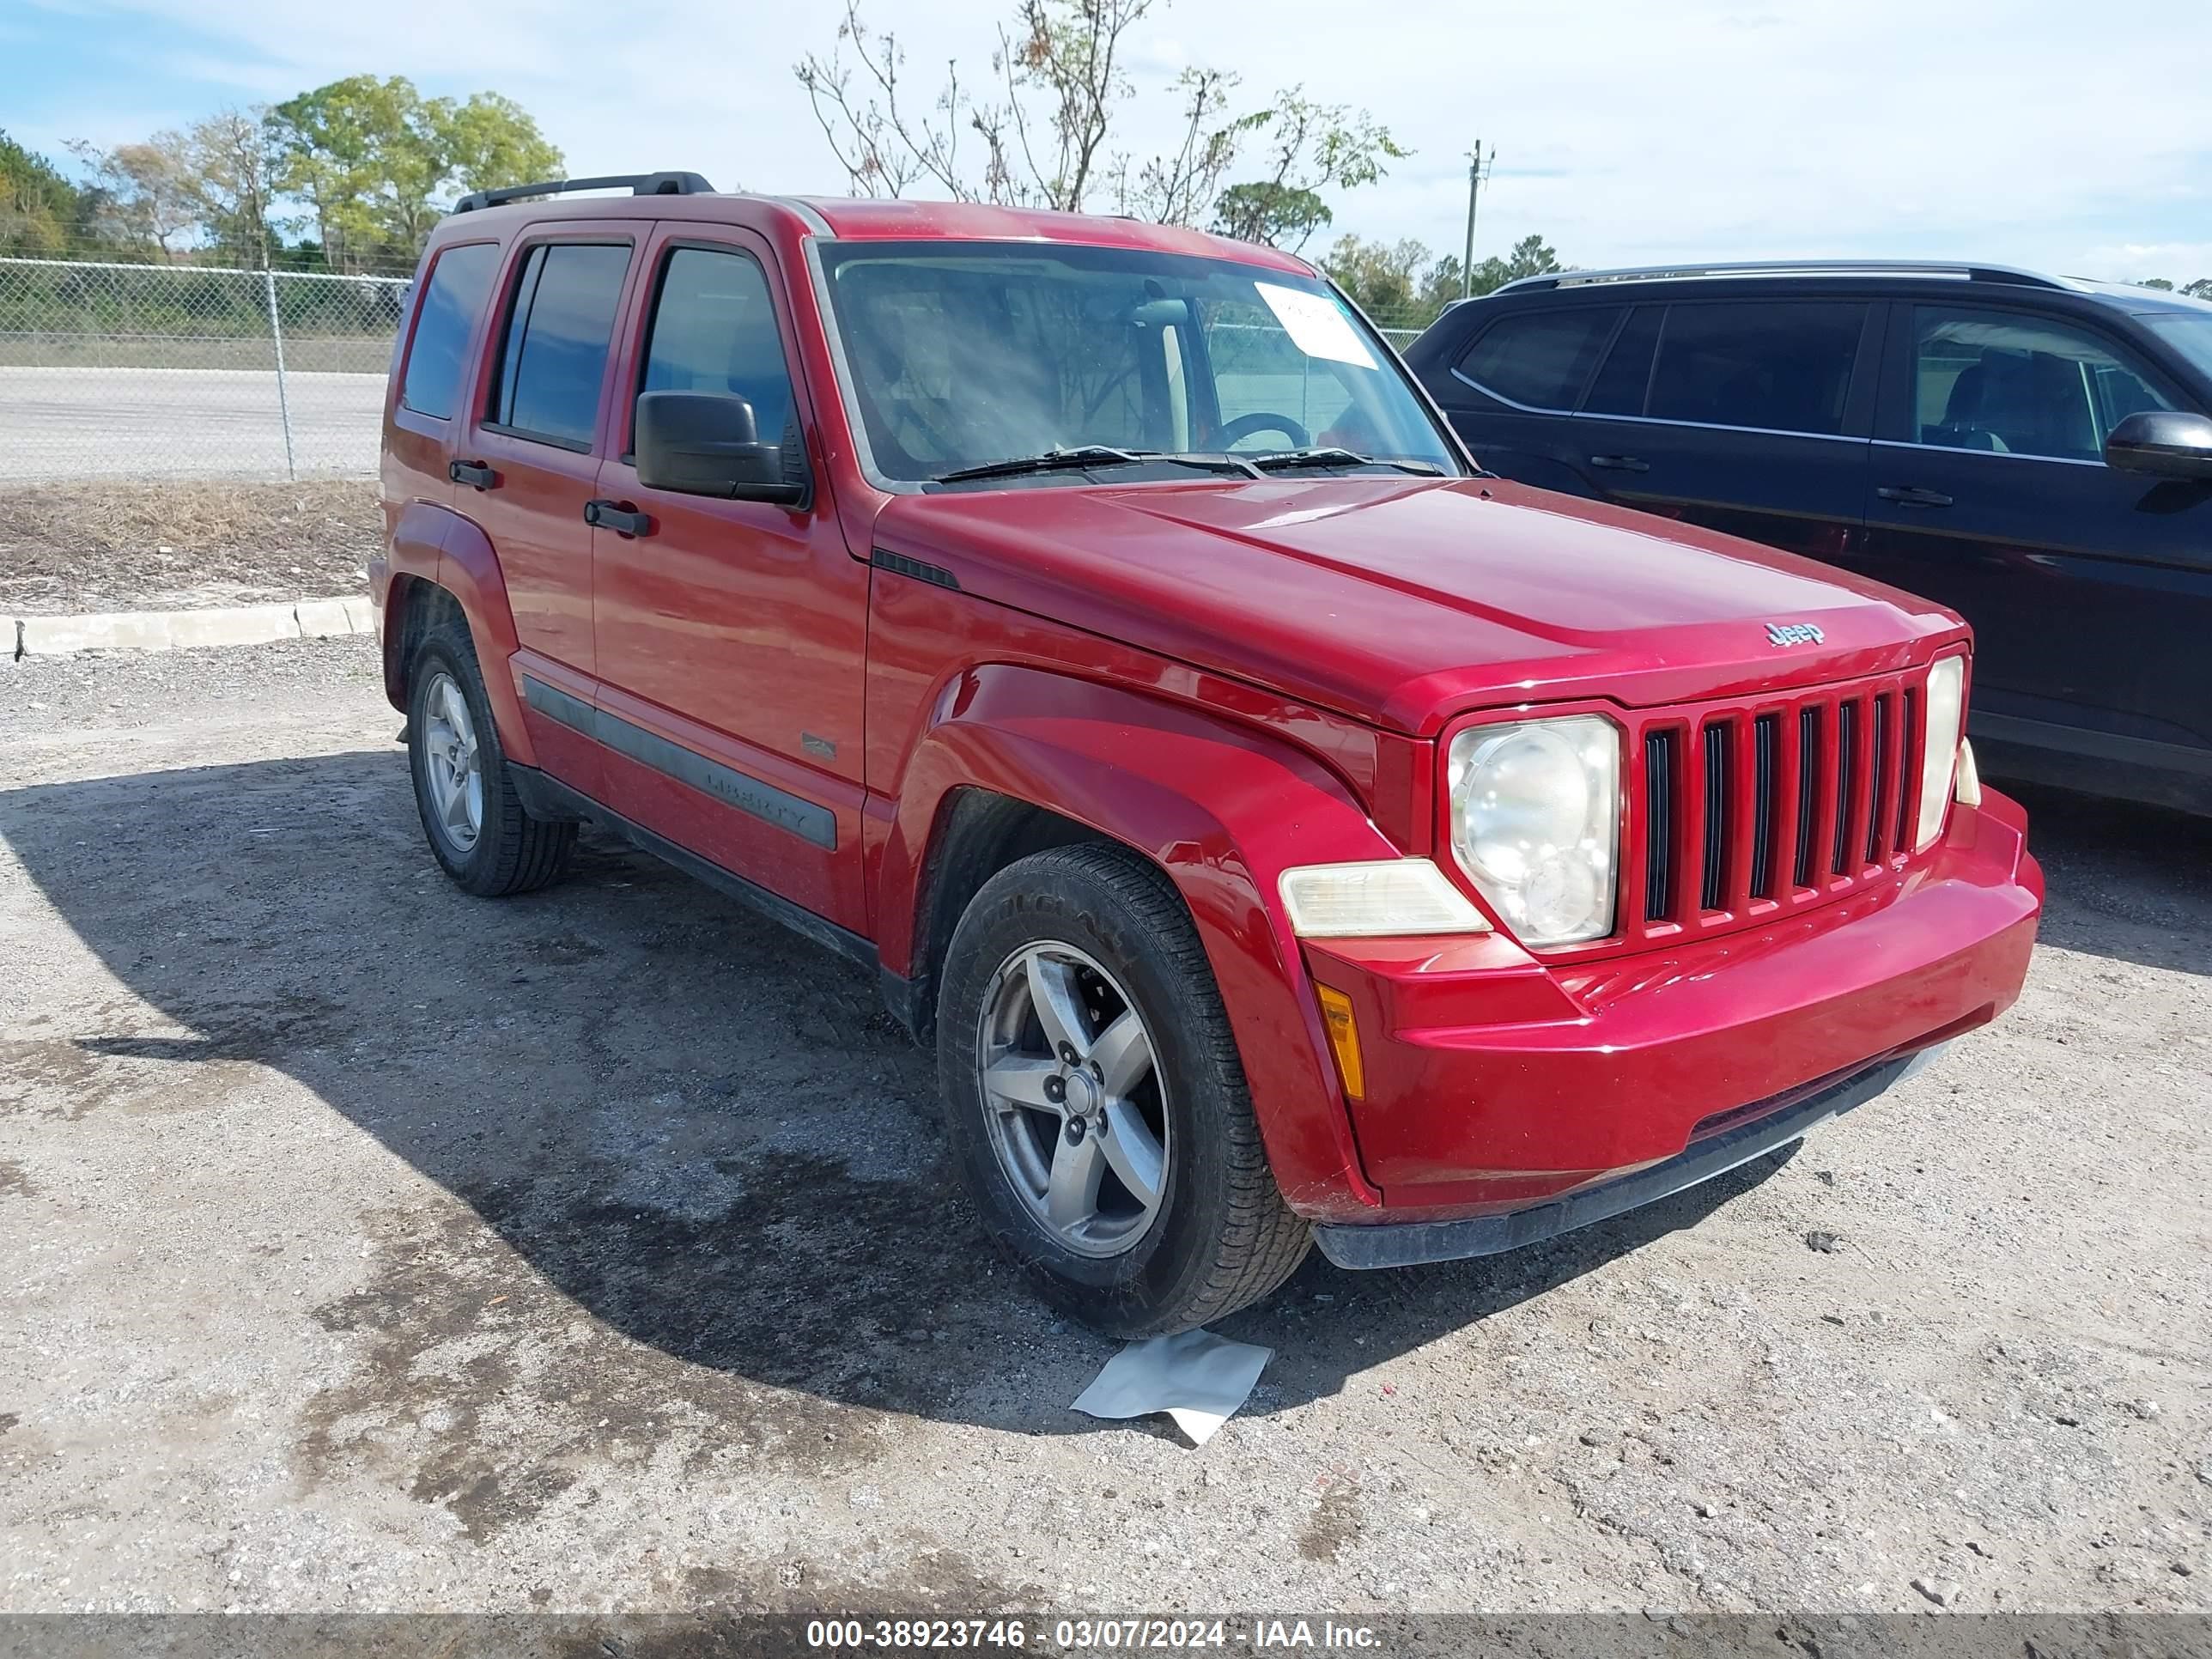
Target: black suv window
{"x": 714, "y": 330}
{"x": 554, "y": 355}
{"x": 2015, "y": 384}
{"x": 458, "y": 281}
{"x": 1776, "y": 365}
{"x": 1621, "y": 384}
{"x": 1541, "y": 359}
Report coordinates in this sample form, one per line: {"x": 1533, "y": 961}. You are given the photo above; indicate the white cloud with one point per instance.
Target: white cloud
{"x": 2029, "y": 130}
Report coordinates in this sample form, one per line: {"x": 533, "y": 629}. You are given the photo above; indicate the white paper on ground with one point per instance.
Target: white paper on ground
{"x": 1197, "y": 1378}
{"x": 1315, "y": 324}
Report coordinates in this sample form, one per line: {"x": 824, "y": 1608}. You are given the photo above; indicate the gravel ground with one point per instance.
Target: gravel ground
{"x": 365, "y": 1246}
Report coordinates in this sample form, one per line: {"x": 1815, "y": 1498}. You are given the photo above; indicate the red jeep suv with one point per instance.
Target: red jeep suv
{"x": 1283, "y": 831}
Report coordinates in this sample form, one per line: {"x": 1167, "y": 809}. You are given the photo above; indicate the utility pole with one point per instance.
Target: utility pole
{"x": 1476, "y": 171}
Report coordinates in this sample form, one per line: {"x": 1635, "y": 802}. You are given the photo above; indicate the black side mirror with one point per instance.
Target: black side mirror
{"x": 706, "y": 444}
{"x": 2166, "y": 443}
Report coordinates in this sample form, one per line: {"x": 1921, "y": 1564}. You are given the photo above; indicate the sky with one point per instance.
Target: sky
{"x": 2055, "y": 135}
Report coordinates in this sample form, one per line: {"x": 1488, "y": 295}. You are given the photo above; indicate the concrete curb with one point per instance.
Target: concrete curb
{"x": 170, "y": 630}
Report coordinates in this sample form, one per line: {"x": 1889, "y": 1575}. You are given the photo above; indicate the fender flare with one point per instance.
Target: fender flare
{"x": 435, "y": 546}
{"x": 1222, "y": 808}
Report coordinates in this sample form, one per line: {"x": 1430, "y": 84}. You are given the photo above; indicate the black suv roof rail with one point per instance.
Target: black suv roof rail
{"x": 1962, "y": 272}
{"x": 639, "y": 184}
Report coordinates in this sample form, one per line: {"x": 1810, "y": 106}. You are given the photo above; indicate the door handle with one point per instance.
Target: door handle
{"x": 472, "y": 472}
{"x": 1912, "y": 495}
{"x": 613, "y": 515}
{"x": 1620, "y": 463}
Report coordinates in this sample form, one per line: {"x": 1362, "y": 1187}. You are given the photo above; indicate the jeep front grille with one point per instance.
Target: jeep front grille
{"x": 1740, "y": 811}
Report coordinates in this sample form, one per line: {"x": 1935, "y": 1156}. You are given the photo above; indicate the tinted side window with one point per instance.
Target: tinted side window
{"x": 1540, "y": 358}
{"x": 1779, "y": 365}
{"x": 555, "y": 354}
{"x": 459, "y": 281}
{"x": 1622, "y": 382}
{"x": 714, "y": 330}
{"x": 2011, "y": 384}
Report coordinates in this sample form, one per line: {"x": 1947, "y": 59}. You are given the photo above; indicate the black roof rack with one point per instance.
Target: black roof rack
{"x": 1958, "y": 271}
{"x": 639, "y": 184}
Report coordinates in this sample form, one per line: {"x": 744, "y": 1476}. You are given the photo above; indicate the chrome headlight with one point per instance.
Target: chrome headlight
{"x": 1535, "y": 822}
{"x": 1946, "y": 702}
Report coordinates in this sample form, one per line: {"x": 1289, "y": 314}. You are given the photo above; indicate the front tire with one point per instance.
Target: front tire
{"x": 472, "y": 814}
{"x": 1095, "y": 1100}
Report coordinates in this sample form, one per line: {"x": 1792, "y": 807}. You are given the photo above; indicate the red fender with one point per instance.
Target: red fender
{"x": 407, "y": 563}
{"x": 433, "y": 546}
{"x": 1223, "y": 809}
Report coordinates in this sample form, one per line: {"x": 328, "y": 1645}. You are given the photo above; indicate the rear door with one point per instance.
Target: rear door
{"x": 1511, "y": 391}
{"x": 2089, "y": 590}
{"x": 1751, "y": 416}
{"x": 529, "y": 457}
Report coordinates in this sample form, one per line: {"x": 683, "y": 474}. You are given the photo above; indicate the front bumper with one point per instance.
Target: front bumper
{"x": 1759, "y": 1132}
{"x": 1501, "y": 1089}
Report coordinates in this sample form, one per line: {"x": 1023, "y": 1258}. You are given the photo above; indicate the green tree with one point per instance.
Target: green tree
{"x": 1531, "y": 256}
{"x": 332, "y": 147}
{"x": 1383, "y": 278}
{"x": 1310, "y": 147}
{"x": 377, "y": 164}
{"x": 39, "y": 206}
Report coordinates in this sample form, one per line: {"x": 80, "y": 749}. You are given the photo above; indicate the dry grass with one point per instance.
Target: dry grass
{"x": 117, "y": 546}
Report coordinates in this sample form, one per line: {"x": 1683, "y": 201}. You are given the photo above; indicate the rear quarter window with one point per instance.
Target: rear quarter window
{"x": 459, "y": 279}
{"x": 1542, "y": 359}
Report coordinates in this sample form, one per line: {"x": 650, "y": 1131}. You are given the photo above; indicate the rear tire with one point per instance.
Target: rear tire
{"x": 1073, "y": 942}
{"x": 471, "y": 815}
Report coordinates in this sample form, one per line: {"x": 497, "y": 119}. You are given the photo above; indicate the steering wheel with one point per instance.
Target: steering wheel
{"x": 1259, "y": 420}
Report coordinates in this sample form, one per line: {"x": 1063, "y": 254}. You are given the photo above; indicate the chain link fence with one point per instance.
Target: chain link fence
{"x": 149, "y": 371}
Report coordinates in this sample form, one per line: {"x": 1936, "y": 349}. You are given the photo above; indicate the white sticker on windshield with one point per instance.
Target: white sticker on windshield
{"x": 1315, "y": 326}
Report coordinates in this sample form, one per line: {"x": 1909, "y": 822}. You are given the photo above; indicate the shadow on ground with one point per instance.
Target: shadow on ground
{"x": 2130, "y": 883}
{"x": 701, "y": 1131}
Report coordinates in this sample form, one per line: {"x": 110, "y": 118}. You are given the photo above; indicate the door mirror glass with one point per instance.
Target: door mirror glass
{"x": 2165, "y": 443}
{"x": 703, "y": 443}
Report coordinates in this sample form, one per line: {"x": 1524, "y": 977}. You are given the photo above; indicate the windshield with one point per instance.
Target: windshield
{"x": 961, "y": 355}
{"x": 2189, "y": 332}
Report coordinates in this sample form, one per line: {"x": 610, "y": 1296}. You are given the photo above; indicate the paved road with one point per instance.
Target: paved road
{"x": 363, "y": 1245}
{"x": 77, "y": 423}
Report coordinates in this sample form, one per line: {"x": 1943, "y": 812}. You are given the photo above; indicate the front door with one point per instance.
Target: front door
{"x": 731, "y": 636}
{"x": 2090, "y": 589}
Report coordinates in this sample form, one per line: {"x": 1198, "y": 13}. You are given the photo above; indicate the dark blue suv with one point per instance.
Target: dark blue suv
{"x": 2033, "y": 452}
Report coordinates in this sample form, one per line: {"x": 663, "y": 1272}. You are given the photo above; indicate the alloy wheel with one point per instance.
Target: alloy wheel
{"x": 452, "y": 763}
{"x": 1073, "y": 1098}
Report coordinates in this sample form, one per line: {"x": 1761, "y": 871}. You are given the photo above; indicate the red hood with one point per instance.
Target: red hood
{"x": 1405, "y": 602}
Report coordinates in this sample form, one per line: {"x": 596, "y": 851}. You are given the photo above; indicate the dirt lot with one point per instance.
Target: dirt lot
{"x": 151, "y": 545}
{"x": 365, "y": 1246}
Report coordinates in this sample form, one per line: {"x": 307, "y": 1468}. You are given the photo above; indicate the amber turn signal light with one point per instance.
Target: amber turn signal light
{"x": 1344, "y": 1038}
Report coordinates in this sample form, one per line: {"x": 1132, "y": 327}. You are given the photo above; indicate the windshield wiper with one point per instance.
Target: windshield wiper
{"x": 1079, "y": 457}
{"x": 1282, "y": 460}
